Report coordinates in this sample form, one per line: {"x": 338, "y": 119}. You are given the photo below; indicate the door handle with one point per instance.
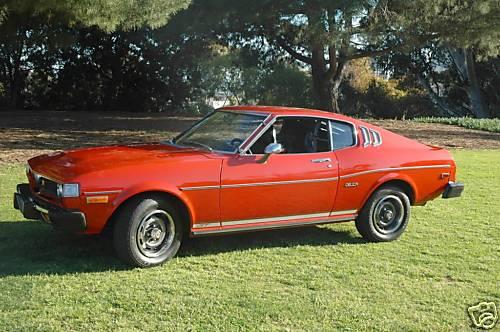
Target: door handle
{"x": 321, "y": 160}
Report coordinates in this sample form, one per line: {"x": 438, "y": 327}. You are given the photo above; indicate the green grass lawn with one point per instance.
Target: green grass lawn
{"x": 316, "y": 278}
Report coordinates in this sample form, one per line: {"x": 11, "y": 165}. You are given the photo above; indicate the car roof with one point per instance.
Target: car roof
{"x": 282, "y": 110}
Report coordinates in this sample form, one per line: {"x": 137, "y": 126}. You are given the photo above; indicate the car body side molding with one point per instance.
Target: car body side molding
{"x": 346, "y": 176}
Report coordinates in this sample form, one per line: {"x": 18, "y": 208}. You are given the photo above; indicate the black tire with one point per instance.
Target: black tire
{"x": 385, "y": 215}
{"x": 148, "y": 231}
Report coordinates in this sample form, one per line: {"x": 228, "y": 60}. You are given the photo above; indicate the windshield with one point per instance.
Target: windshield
{"x": 221, "y": 131}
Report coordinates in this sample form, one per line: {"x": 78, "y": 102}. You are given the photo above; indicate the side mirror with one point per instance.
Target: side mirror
{"x": 272, "y": 148}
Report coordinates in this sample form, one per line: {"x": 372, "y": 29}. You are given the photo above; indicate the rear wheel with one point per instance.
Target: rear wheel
{"x": 385, "y": 215}
{"x": 148, "y": 232}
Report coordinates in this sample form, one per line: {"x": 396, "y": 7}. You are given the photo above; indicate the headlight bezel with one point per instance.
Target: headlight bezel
{"x": 68, "y": 190}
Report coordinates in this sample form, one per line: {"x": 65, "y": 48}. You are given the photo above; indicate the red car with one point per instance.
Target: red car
{"x": 239, "y": 169}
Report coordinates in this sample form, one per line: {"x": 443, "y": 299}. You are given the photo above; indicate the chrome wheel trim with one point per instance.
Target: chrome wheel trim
{"x": 388, "y": 214}
{"x": 155, "y": 233}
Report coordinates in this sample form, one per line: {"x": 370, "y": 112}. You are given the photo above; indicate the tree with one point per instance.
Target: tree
{"x": 30, "y": 29}
{"x": 489, "y": 72}
{"x": 368, "y": 93}
{"x": 460, "y": 33}
{"x": 20, "y": 41}
{"x": 465, "y": 65}
{"x": 456, "y": 23}
{"x": 456, "y": 82}
{"x": 58, "y": 67}
{"x": 324, "y": 35}
{"x": 108, "y": 15}
{"x": 235, "y": 77}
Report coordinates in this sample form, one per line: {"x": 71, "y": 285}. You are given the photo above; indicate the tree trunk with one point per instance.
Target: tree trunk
{"x": 322, "y": 71}
{"x": 338, "y": 76}
{"x": 16, "y": 76}
{"x": 327, "y": 95}
{"x": 335, "y": 101}
{"x": 323, "y": 93}
{"x": 474, "y": 92}
{"x": 16, "y": 85}
{"x": 14, "y": 92}
{"x": 445, "y": 108}
{"x": 465, "y": 66}
{"x": 326, "y": 87}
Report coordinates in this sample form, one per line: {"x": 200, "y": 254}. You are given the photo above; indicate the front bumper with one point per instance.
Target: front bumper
{"x": 33, "y": 208}
{"x": 453, "y": 189}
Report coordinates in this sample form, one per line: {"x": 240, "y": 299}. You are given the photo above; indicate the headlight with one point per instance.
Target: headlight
{"x": 68, "y": 190}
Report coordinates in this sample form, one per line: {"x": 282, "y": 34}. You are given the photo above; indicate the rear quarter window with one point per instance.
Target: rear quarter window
{"x": 342, "y": 135}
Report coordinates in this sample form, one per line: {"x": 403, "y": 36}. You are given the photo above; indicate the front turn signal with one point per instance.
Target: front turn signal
{"x": 97, "y": 200}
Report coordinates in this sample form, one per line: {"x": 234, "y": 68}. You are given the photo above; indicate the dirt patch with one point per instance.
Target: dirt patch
{"x": 443, "y": 135}
{"x": 25, "y": 134}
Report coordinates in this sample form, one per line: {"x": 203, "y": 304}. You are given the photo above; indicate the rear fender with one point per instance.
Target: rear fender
{"x": 392, "y": 177}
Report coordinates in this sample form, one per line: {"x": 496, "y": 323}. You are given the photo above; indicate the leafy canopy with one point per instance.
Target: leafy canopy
{"x": 457, "y": 23}
{"x": 109, "y": 15}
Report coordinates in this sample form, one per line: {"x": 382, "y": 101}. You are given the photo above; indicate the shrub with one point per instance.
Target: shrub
{"x": 492, "y": 125}
{"x": 367, "y": 94}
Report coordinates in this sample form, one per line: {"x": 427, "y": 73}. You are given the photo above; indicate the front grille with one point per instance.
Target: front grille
{"x": 42, "y": 185}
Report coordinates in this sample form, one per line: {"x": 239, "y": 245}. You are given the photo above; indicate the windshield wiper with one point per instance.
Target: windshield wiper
{"x": 197, "y": 144}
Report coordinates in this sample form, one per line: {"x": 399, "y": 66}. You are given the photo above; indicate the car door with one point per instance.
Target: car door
{"x": 294, "y": 185}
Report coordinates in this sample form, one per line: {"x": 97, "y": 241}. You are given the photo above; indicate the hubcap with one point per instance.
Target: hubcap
{"x": 388, "y": 214}
{"x": 155, "y": 233}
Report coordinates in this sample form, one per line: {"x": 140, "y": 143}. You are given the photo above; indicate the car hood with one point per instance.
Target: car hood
{"x": 66, "y": 165}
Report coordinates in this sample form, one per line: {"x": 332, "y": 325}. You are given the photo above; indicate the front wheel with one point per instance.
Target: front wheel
{"x": 148, "y": 232}
{"x": 385, "y": 215}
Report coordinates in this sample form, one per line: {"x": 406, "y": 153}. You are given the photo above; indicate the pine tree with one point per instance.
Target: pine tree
{"x": 325, "y": 35}
{"x": 109, "y": 15}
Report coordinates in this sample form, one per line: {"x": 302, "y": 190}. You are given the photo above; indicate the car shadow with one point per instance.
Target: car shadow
{"x": 279, "y": 238}
{"x": 32, "y": 248}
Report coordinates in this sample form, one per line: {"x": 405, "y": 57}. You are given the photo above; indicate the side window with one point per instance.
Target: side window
{"x": 343, "y": 135}
{"x": 270, "y": 136}
{"x": 297, "y": 135}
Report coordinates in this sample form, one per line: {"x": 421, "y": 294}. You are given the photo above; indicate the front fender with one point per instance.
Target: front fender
{"x": 145, "y": 187}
